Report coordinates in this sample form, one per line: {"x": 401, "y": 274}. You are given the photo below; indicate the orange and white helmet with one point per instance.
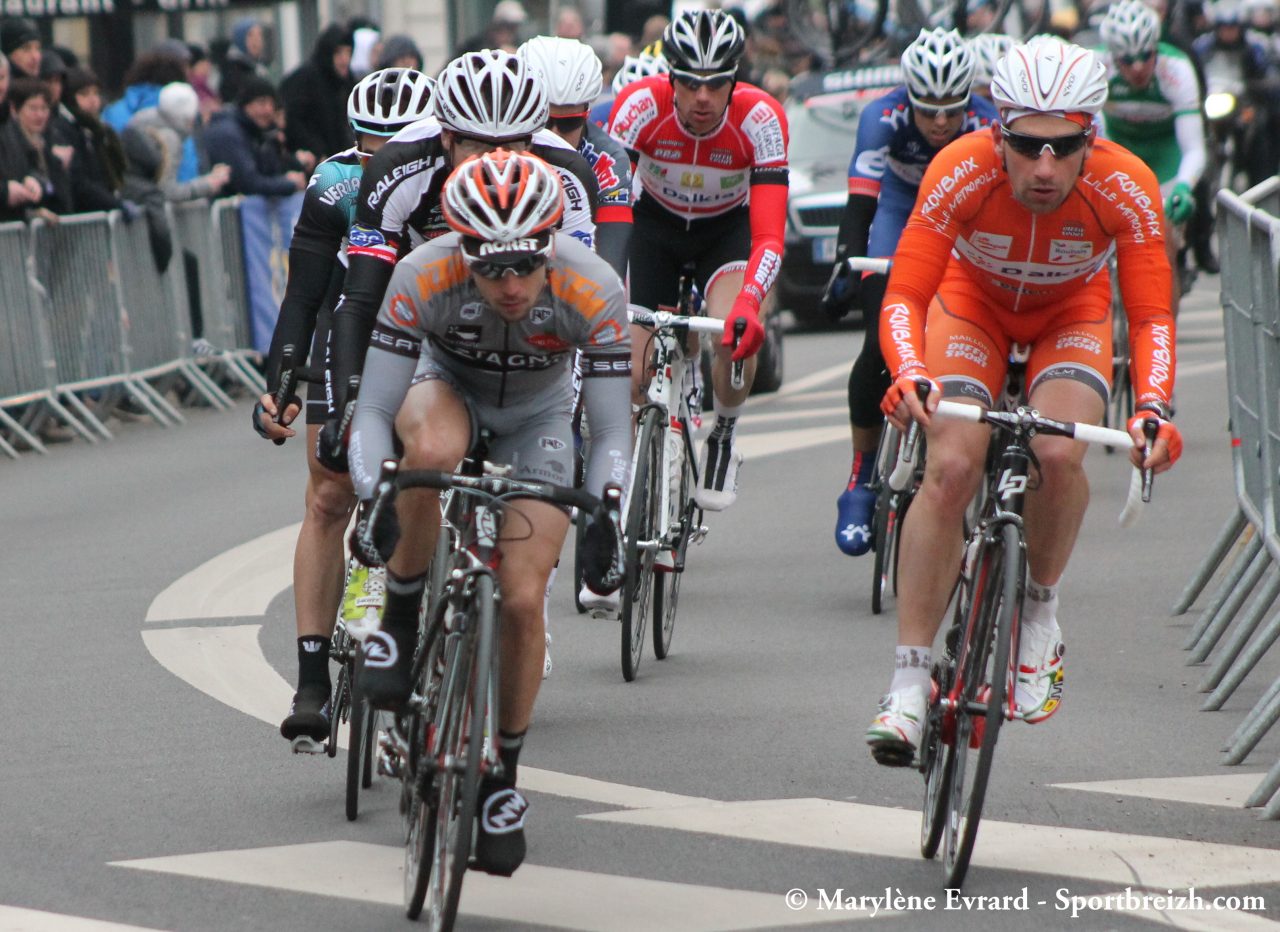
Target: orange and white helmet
{"x": 510, "y": 202}
{"x": 1047, "y": 75}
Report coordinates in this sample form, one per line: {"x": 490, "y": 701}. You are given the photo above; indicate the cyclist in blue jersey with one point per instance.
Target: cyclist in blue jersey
{"x": 382, "y": 104}
{"x": 898, "y": 135}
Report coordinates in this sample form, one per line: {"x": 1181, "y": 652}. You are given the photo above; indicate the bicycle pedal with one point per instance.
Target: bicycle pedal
{"x": 303, "y": 744}
{"x": 890, "y": 756}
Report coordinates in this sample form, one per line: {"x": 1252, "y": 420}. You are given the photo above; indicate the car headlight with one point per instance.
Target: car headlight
{"x": 1219, "y": 105}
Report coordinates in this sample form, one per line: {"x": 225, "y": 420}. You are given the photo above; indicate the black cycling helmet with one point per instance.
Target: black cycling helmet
{"x": 703, "y": 41}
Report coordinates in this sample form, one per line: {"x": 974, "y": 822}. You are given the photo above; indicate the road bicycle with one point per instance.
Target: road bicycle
{"x": 972, "y": 694}
{"x": 443, "y": 739}
{"x": 662, "y": 517}
{"x": 347, "y": 705}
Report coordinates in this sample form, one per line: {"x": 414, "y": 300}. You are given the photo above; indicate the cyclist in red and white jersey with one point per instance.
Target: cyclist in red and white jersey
{"x": 711, "y": 155}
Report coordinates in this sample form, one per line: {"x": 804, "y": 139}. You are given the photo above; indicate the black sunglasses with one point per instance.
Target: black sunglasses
{"x": 1139, "y": 59}
{"x": 1032, "y": 147}
{"x": 693, "y": 82}
{"x": 493, "y": 271}
{"x": 567, "y": 124}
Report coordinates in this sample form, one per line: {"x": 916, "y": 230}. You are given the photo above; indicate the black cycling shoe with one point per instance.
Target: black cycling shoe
{"x": 500, "y": 845}
{"x": 307, "y": 725}
{"x": 385, "y": 675}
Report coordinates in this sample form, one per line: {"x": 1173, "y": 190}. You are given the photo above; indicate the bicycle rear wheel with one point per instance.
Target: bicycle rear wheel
{"x": 666, "y": 585}
{"x": 980, "y": 693}
{"x": 885, "y": 521}
{"x": 358, "y": 739}
{"x": 340, "y": 705}
{"x": 641, "y": 529}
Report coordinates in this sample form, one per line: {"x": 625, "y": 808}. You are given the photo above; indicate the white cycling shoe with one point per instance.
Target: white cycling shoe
{"x": 600, "y": 606}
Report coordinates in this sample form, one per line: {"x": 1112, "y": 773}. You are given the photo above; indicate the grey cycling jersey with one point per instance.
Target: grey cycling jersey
{"x": 433, "y": 313}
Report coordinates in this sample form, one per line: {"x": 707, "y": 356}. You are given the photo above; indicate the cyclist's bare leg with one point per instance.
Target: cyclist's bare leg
{"x": 933, "y": 530}
{"x": 720, "y": 297}
{"x": 318, "y": 556}
{"x": 1055, "y": 510}
{"x": 532, "y": 535}
{"x": 435, "y": 427}
{"x": 866, "y": 440}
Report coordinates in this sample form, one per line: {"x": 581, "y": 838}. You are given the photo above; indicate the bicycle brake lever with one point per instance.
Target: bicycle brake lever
{"x": 1150, "y": 428}
{"x": 735, "y": 375}
{"x": 285, "y": 390}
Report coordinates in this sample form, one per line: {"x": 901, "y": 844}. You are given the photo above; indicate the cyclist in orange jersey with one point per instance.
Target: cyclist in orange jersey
{"x": 1009, "y": 242}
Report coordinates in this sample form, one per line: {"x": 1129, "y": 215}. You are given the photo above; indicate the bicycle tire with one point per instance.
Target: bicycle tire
{"x": 579, "y": 541}
{"x": 638, "y": 584}
{"x": 418, "y": 799}
{"x": 666, "y": 586}
{"x": 880, "y": 527}
{"x": 982, "y": 667}
{"x": 937, "y": 762}
{"x": 357, "y": 740}
{"x": 340, "y": 704}
{"x": 370, "y": 743}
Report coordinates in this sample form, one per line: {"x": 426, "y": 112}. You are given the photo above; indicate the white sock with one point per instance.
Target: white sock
{"x": 911, "y": 668}
{"x": 546, "y": 599}
{"x": 1041, "y": 606}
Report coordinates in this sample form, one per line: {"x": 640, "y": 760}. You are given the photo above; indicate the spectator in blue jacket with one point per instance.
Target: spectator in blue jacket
{"x": 143, "y": 82}
{"x": 247, "y": 137}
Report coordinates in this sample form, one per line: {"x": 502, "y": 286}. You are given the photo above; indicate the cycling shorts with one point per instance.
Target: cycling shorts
{"x": 967, "y": 339}
{"x": 535, "y": 437}
{"x": 318, "y": 406}
{"x": 661, "y": 244}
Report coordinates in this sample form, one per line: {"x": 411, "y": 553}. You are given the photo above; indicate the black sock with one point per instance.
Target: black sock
{"x": 313, "y": 661}
{"x": 509, "y": 746}
{"x": 404, "y": 597}
{"x": 723, "y": 428}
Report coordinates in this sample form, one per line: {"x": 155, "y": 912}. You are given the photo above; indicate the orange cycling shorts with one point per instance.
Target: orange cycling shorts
{"x": 968, "y": 338}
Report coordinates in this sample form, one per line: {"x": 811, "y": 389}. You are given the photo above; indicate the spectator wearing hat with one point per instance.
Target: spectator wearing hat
{"x": 246, "y": 57}
{"x": 62, "y": 125}
{"x": 167, "y": 126}
{"x": 315, "y": 96}
{"x": 25, "y": 135}
{"x": 152, "y": 71}
{"x": 18, "y": 189}
{"x": 247, "y": 138}
{"x": 20, "y": 41}
{"x": 200, "y": 77}
{"x": 98, "y": 164}
{"x": 399, "y": 52}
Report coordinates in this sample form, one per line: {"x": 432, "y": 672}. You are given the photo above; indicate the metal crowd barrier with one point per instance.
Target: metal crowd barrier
{"x": 90, "y": 321}
{"x": 1234, "y": 631}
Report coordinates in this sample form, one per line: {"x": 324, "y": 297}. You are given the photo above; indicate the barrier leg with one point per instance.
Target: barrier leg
{"x": 206, "y": 387}
{"x": 27, "y": 437}
{"x": 1240, "y": 636}
{"x": 1266, "y": 790}
{"x": 158, "y": 400}
{"x": 1245, "y": 666}
{"x": 74, "y": 402}
{"x": 1256, "y": 724}
{"x": 145, "y": 401}
{"x": 9, "y": 449}
{"x": 1226, "y": 537}
{"x": 1226, "y": 589}
{"x": 66, "y": 417}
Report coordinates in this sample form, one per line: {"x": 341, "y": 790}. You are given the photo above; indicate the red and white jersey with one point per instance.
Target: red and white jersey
{"x": 700, "y": 176}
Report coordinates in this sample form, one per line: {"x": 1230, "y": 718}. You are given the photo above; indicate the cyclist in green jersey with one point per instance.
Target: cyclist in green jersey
{"x": 1153, "y": 110}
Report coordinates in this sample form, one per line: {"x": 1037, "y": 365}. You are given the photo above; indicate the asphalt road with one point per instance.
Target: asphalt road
{"x": 151, "y": 657}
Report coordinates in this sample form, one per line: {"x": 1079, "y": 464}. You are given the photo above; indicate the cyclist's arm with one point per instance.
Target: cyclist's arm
{"x": 866, "y": 171}
{"x": 613, "y": 242}
{"x": 919, "y": 263}
{"x": 1179, "y": 85}
{"x": 613, "y": 218}
{"x": 353, "y": 318}
{"x": 1189, "y": 128}
{"x": 767, "y": 207}
{"x": 605, "y": 341}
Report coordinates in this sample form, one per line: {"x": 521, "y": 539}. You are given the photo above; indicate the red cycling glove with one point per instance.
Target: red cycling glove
{"x": 1166, "y": 431}
{"x": 753, "y": 337}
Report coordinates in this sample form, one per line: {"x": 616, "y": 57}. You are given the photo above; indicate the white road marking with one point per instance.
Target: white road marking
{"x": 821, "y": 377}
{"x": 1214, "y": 790}
{"x": 16, "y": 919}
{"x": 547, "y": 896}
{"x": 1106, "y": 857}
{"x": 240, "y": 582}
{"x": 788, "y": 441}
{"x": 1201, "y": 368}
{"x": 753, "y": 419}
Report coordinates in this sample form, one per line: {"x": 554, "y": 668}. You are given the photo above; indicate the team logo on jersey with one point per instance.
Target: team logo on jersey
{"x": 607, "y": 333}
{"x": 1073, "y": 229}
{"x": 765, "y": 132}
{"x": 1065, "y": 251}
{"x": 721, "y": 157}
{"x": 540, "y": 315}
{"x": 402, "y": 311}
{"x": 463, "y": 333}
{"x": 605, "y": 174}
{"x": 993, "y": 244}
{"x": 554, "y": 444}
{"x": 549, "y": 342}
{"x": 667, "y": 153}
{"x": 364, "y": 237}
{"x": 471, "y": 311}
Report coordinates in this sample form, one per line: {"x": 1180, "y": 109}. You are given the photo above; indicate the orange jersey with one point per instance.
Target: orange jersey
{"x": 1026, "y": 265}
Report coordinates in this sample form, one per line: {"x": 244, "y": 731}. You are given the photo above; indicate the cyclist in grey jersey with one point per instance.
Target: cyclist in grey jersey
{"x": 477, "y": 330}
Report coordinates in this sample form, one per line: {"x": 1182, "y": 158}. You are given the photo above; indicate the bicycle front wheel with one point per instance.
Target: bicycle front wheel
{"x": 357, "y": 738}
{"x": 641, "y": 534}
{"x": 980, "y": 693}
{"x": 666, "y": 585}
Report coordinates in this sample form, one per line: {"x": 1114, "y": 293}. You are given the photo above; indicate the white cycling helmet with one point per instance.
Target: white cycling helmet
{"x": 1047, "y": 75}
{"x": 1226, "y": 13}
{"x": 988, "y": 48}
{"x": 635, "y": 67}
{"x": 491, "y": 95}
{"x": 571, "y": 69}
{"x": 703, "y": 41}
{"x": 384, "y": 102}
{"x": 1130, "y": 28}
{"x": 510, "y": 201}
{"x": 938, "y": 64}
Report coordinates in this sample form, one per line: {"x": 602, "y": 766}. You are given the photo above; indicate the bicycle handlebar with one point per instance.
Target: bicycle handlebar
{"x": 286, "y": 391}
{"x": 865, "y": 264}
{"x": 665, "y": 320}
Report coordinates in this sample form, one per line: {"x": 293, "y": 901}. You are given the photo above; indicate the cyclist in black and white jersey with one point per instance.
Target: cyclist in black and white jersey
{"x": 379, "y": 106}
{"x": 478, "y": 330}
{"x": 483, "y": 100}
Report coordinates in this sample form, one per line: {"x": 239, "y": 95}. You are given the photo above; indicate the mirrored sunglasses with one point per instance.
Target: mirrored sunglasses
{"x": 1032, "y": 147}
{"x": 487, "y": 268}
{"x": 692, "y": 81}
{"x": 932, "y": 111}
